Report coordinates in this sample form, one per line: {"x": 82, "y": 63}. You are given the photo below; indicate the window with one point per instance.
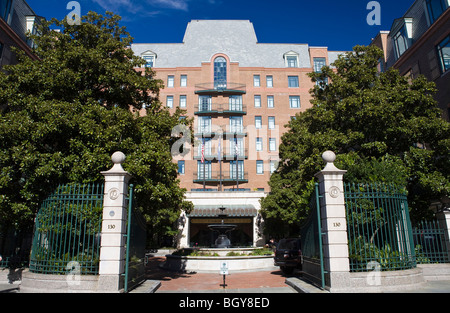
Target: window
{"x": 182, "y": 101}
{"x": 256, "y": 81}
{"x": 170, "y": 81}
{"x": 1, "y": 50}
{"x": 273, "y": 166}
{"x": 240, "y": 174}
{"x": 402, "y": 37}
{"x": 257, "y": 101}
{"x": 236, "y": 124}
{"x": 293, "y": 81}
{"x": 181, "y": 167}
{"x": 259, "y": 144}
{"x": 318, "y": 64}
{"x": 183, "y": 81}
{"x": 207, "y": 147}
{"x": 237, "y": 147}
{"x": 269, "y": 81}
{"x": 204, "y": 103}
{"x": 258, "y": 122}
{"x": 259, "y": 167}
{"x": 444, "y": 54}
{"x": 204, "y": 170}
{"x": 271, "y": 122}
{"x": 436, "y": 8}
{"x": 169, "y": 101}
{"x": 292, "y": 61}
{"x": 272, "y": 144}
{"x": 204, "y": 124}
{"x": 294, "y": 102}
{"x": 235, "y": 103}
{"x": 149, "y": 60}
{"x": 220, "y": 72}
{"x": 270, "y": 102}
{"x": 5, "y": 8}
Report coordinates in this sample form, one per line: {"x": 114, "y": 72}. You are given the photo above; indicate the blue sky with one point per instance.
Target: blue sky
{"x": 339, "y": 25}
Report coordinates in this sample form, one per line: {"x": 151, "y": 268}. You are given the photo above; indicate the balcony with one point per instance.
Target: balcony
{"x": 220, "y": 89}
{"x": 225, "y": 130}
{"x": 219, "y": 108}
{"x": 214, "y": 177}
{"x": 226, "y": 155}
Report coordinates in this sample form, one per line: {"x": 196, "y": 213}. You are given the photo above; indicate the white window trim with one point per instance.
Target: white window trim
{"x": 259, "y": 144}
{"x": 261, "y": 162}
{"x": 269, "y": 80}
{"x": 291, "y": 54}
{"x": 299, "y": 102}
{"x": 397, "y": 27}
{"x": 257, "y": 104}
{"x": 272, "y": 144}
{"x": 150, "y": 53}
{"x": 169, "y": 104}
{"x": 170, "y": 81}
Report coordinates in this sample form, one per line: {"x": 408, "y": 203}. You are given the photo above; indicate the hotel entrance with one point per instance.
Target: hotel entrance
{"x": 240, "y": 218}
{"x": 202, "y": 236}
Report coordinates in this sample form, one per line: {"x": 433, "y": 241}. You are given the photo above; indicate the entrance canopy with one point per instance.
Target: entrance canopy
{"x": 230, "y": 210}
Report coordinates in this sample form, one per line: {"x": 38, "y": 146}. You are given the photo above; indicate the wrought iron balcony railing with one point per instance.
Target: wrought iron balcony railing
{"x": 220, "y": 108}
{"x": 226, "y": 130}
{"x": 225, "y": 155}
{"x": 220, "y": 88}
{"x": 214, "y": 177}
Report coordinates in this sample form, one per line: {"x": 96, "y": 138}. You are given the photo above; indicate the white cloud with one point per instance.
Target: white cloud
{"x": 119, "y": 6}
{"x": 142, "y": 7}
{"x": 171, "y": 4}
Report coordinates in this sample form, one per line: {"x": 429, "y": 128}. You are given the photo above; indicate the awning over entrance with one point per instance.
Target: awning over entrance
{"x": 230, "y": 210}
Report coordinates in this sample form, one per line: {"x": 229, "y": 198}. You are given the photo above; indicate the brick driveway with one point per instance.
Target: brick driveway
{"x": 185, "y": 282}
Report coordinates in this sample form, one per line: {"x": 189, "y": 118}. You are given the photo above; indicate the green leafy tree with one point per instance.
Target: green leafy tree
{"x": 382, "y": 126}
{"x": 62, "y": 116}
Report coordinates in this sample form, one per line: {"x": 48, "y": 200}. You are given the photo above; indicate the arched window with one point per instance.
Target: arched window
{"x": 220, "y": 72}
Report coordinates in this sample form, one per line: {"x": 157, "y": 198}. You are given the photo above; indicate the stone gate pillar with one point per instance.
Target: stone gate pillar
{"x": 112, "y": 249}
{"x": 334, "y": 223}
{"x": 444, "y": 223}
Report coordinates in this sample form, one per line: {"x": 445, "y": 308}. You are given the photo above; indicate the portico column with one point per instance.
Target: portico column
{"x": 333, "y": 221}
{"x": 112, "y": 249}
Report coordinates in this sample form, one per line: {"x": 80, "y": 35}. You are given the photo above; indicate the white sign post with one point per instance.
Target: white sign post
{"x": 223, "y": 271}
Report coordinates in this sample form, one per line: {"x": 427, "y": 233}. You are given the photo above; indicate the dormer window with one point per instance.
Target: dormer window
{"x": 150, "y": 58}
{"x": 5, "y": 10}
{"x": 291, "y": 59}
{"x": 402, "y": 36}
{"x": 435, "y": 8}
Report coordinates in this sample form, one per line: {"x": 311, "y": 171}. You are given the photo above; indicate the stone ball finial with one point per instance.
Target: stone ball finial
{"x": 118, "y": 157}
{"x": 329, "y": 156}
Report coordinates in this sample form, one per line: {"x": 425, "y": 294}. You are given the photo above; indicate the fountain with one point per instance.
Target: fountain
{"x": 241, "y": 259}
{"x": 222, "y": 241}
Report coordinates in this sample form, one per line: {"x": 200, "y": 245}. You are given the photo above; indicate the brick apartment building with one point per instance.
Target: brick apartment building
{"x": 419, "y": 43}
{"x": 241, "y": 94}
{"x": 16, "y": 19}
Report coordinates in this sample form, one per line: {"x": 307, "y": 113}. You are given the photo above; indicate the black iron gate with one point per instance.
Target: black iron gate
{"x": 135, "y": 245}
{"x": 311, "y": 240}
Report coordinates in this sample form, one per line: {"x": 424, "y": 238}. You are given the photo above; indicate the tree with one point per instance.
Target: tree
{"x": 62, "y": 116}
{"x": 382, "y": 126}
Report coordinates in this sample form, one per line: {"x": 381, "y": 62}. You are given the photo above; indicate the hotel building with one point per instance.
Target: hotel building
{"x": 16, "y": 19}
{"x": 241, "y": 94}
{"x": 419, "y": 43}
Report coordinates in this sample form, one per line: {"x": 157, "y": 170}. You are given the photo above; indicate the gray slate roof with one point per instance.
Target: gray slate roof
{"x": 235, "y": 38}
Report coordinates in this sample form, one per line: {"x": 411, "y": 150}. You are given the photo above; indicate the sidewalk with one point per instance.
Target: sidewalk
{"x": 271, "y": 280}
